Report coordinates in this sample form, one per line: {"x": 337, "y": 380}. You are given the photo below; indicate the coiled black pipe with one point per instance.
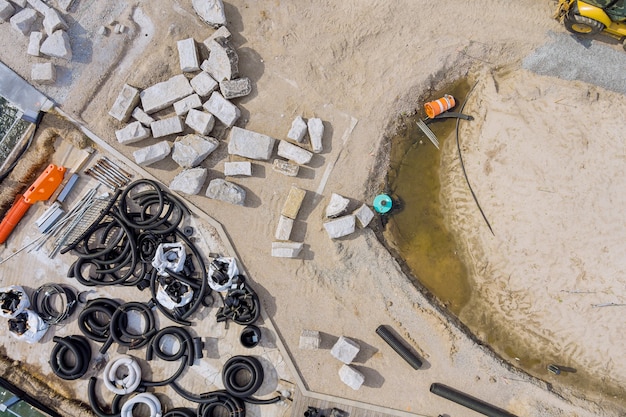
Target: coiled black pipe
{"x": 392, "y": 340}
{"x": 95, "y": 320}
{"x": 180, "y": 412}
{"x": 70, "y": 357}
{"x": 220, "y": 401}
{"x": 45, "y": 308}
{"x": 239, "y": 386}
{"x": 95, "y": 406}
{"x": 119, "y": 322}
{"x": 185, "y": 341}
{"x": 468, "y": 401}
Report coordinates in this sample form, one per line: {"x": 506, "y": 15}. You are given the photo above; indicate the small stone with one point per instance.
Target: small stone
{"x": 283, "y": 230}
{"x": 316, "y": 132}
{"x": 364, "y": 215}
{"x": 222, "y": 32}
{"x": 124, "y": 104}
{"x": 286, "y": 249}
{"x": 250, "y": 144}
{"x": 340, "y": 227}
{"x": 223, "y": 62}
{"x": 57, "y": 45}
{"x": 6, "y": 10}
{"x": 239, "y": 87}
{"x": 203, "y": 84}
{"x": 53, "y": 21}
{"x": 337, "y": 205}
{"x": 44, "y": 73}
{"x": 345, "y": 349}
{"x": 103, "y": 31}
{"x": 293, "y": 203}
{"x": 294, "y": 153}
{"x": 34, "y": 43}
{"x": 193, "y": 101}
{"x": 351, "y": 377}
{"x": 298, "y": 129}
{"x": 188, "y": 55}
{"x": 211, "y": 11}
{"x": 167, "y": 126}
{"x": 189, "y": 181}
{"x": 226, "y": 191}
{"x": 141, "y": 116}
{"x": 200, "y": 121}
{"x": 153, "y": 153}
{"x": 286, "y": 168}
{"x": 224, "y": 110}
{"x": 133, "y": 132}
{"x": 243, "y": 169}
{"x": 191, "y": 150}
{"x": 310, "y": 339}
{"x": 23, "y": 20}
{"x": 119, "y": 28}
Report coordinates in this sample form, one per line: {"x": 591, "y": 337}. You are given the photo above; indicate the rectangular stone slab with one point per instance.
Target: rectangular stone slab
{"x": 293, "y": 202}
{"x": 164, "y": 94}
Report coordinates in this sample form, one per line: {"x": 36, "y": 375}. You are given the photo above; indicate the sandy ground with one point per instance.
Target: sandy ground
{"x": 357, "y": 67}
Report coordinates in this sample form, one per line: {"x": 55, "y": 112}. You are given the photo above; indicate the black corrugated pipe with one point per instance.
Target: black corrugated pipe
{"x": 396, "y": 343}
{"x": 468, "y": 401}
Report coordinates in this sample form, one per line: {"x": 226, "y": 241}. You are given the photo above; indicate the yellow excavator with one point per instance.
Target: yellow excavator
{"x": 591, "y": 17}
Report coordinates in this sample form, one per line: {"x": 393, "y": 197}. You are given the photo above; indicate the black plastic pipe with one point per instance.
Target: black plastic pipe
{"x": 468, "y": 401}
{"x": 397, "y": 344}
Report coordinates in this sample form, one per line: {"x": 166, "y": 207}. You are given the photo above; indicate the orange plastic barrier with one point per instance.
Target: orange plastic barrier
{"x": 433, "y": 108}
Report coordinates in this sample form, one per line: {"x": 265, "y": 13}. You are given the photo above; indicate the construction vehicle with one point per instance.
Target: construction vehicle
{"x": 591, "y": 17}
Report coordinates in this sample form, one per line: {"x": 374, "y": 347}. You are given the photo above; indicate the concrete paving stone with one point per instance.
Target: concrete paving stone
{"x": 286, "y": 249}
{"x": 167, "y": 126}
{"x": 57, "y": 45}
{"x": 284, "y": 227}
{"x": 133, "y": 132}
{"x": 298, "y": 129}
{"x": 181, "y": 107}
{"x": 293, "y": 202}
{"x": 34, "y": 43}
{"x": 310, "y": 339}
{"x": 337, "y": 205}
{"x": 23, "y": 20}
{"x": 189, "y": 181}
{"x": 345, "y": 349}
{"x": 364, "y": 215}
{"x": 222, "y": 32}
{"x": 53, "y": 21}
{"x": 188, "y": 55}
{"x": 237, "y": 168}
{"x": 190, "y": 150}
{"x": 250, "y": 144}
{"x": 225, "y": 111}
{"x": 153, "y": 153}
{"x": 43, "y": 73}
{"x": 6, "y": 10}
{"x": 286, "y": 168}
{"x": 124, "y": 104}
{"x": 203, "y": 84}
{"x": 316, "y": 132}
{"x": 164, "y": 94}
{"x": 223, "y": 61}
{"x": 200, "y": 121}
{"x": 38, "y": 5}
{"x": 294, "y": 153}
{"x": 239, "y": 87}
{"x": 226, "y": 191}
{"x": 211, "y": 11}
{"x": 140, "y": 115}
{"x": 340, "y": 227}
{"x": 351, "y": 377}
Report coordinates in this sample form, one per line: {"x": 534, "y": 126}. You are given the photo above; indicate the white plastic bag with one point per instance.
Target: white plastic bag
{"x": 220, "y": 277}
{"x": 33, "y": 325}
{"x": 169, "y": 256}
{"x": 166, "y": 301}
{"x": 13, "y": 301}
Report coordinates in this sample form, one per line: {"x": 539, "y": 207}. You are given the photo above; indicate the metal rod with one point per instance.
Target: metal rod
{"x": 113, "y": 164}
{"x": 121, "y": 177}
{"x": 105, "y": 174}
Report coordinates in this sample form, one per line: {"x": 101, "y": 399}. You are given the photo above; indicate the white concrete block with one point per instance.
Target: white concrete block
{"x": 53, "y": 21}
{"x": 203, "y": 84}
{"x": 6, "y": 10}
{"x": 286, "y": 168}
{"x": 124, "y": 104}
{"x": 23, "y": 20}
{"x": 298, "y": 129}
{"x": 294, "y": 153}
{"x": 222, "y": 32}
{"x": 141, "y": 116}
{"x": 200, "y": 121}
{"x": 345, "y": 350}
{"x": 164, "y": 94}
{"x": 191, "y": 150}
{"x": 38, "y": 5}
{"x": 188, "y": 55}
{"x": 34, "y": 43}
{"x": 133, "y": 132}
{"x": 250, "y": 144}
{"x": 351, "y": 377}
{"x": 223, "y": 62}
{"x": 337, "y": 205}
{"x": 310, "y": 339}
{"x": 20, "y": 3}
{"x": 364, "y": 215}
{"x": 226, "y": 191}
{"x": 181, "y": 107}
{"x": 316, "y": 132}
{"x": 43, "y": 73}
{"x": 153, "y": 153}
{"x": 340, "y": 227}
{"x": 286, "y": 249}
{"x": 224, "y": 110}
{"x": 57, "y": 45}
{"x": 189, "y": 181}
{"x": 168, "y": 126}
{"x": 232, "y": 169}
{"x": 211, "y": 11}
{"x": 284, "y": 227}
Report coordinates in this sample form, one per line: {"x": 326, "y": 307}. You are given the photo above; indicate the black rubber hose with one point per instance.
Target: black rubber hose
{"x": 95, "y": 406}
{"x": 185, "y": 341}
{"x": 198, "y": 346}
{"x": 180, "y": 412}
{"x": 123, "y": 204}
{"x": 95, "y": 319}
{"x": 222, "y": 400}
{"x": 119, "y": 322}
{"x": 468, "y": 401}
{"x": 70, "y": 357}
{"x": 168, "y": 381}
{"x": 397, "y": 344}
{"x": 232, "y": 378}
{"x": 44, "y": 307}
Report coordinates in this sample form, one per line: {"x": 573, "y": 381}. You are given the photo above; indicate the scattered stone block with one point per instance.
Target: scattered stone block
{"x": 38, "y": 5}
{"x": 211, "y": 11}
{"x": 57, "y": 45}
{"x": 52, "y": 21}
{"x": 224, "y": 110}
{"x": 167, "y": 126}
{"x": 119, "y": 28}
{"x": 188, "y": 55}
{"x": 222, "y": 32}
{"x": 164, "y": 94}
{"x": 6, "y": 10}
{"x": 203, "y": 84}
{"x": 294, "y": 153}
{"x": 283, "y": 230}
{"x": 250, "y": 144}
{"x": 226, "y": 191}
{"x": 20, "y": 3}
{"x": 102, "y": 31}
{"x": 293, "y": 203}
{"x": 124, "y": 104}
{"x": 140, "y": 115}
{"x": 34, "y": 43}
{"x": 239, "y": 87}
{"x": 364, "y": 215}
{"x": 316, "y": 132}
{"x": 341, "y": 226}
{"x": 223, "y": 62}
{"x": 189, "y": 181}
{"x": 345, "y": 350}
{"x": 286, "y": 249}
{"x": 237, "y": 168}
{"x": 310, "y": 339}
{"x": 23, "y": 20}
{"x": 351, "y": 377}
{"x": 337, "y": 205}
{"x": 153, "y": 153}
{"x": 200, "y": 121}
{"x": 286, "y": 168}
{"x": 298, "y": 129}
{"x": 64, "y": 5}
{"x": 190, "y": 150}
{"x": 133, "y": 132}
{"x": 181, "y": 107}
{"x": 43, "y": 73}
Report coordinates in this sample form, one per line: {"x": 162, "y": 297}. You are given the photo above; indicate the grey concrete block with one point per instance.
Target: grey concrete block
{"x": 34, "y": 43}
{"x": 57, "y": 45}
{"x": 124, "y": 104}
{"x": 310, "y": 339}
{"x": 203, "y": 84}
{"x": 211, "y": 11}
{"x": 226, "y": 191}
{"x": 286, "y": 249}
{"x": 53, "y": 21}
{"x": 189, "y": 181}
{"x": 298, "y": 129}
{"x": 283, "y": 229}
{"x": 294, "y": 153}
{"x": 340, "y": 227}
{"x": 167, "y": 126}
{"x": 43, "y": 73}
{"x": 223, "y": 61}
{"x": 224, "y": 110}
{"x": 164, "y": 94}
{"x": 243, "y": 169}
{"x": 316, "y": 132}
{"x": 364, "y": 215}
{"x": 250, "y": 144}
{"x": 6, "y": 10}
{"x": 23, "y": 20}
{"x": 191, "y": 150}
{"x": 140, "y": 115}
{"x": 222, "y": 32}
{"x": 38, "y": 5}
{"x": 239, "y": 87}
{"x": 181, "y": 107}
{"x": 351, "y": 377}
{"x": 133, "y": 132}
{"x": 200, "y": 121}
{"x": 153, "y": 153}
{"x": 345, "y": 349}
{"x": 337, "y": 205}
{"x": 188, "y": 55}
{"x": 286, "y": 168}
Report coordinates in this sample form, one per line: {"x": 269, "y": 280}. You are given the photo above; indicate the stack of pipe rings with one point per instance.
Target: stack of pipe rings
{"x": 45, "y": 299}
{"x": 70, "y": 357}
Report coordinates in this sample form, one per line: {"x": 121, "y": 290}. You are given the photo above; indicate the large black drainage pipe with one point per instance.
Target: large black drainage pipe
{"x": 468, "y": 401}
{"x": 397, "y": 345}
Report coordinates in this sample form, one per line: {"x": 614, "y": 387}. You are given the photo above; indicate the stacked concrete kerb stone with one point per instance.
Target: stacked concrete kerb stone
{"x": 345, "y": 350}
{"x": 339, "y": 223}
